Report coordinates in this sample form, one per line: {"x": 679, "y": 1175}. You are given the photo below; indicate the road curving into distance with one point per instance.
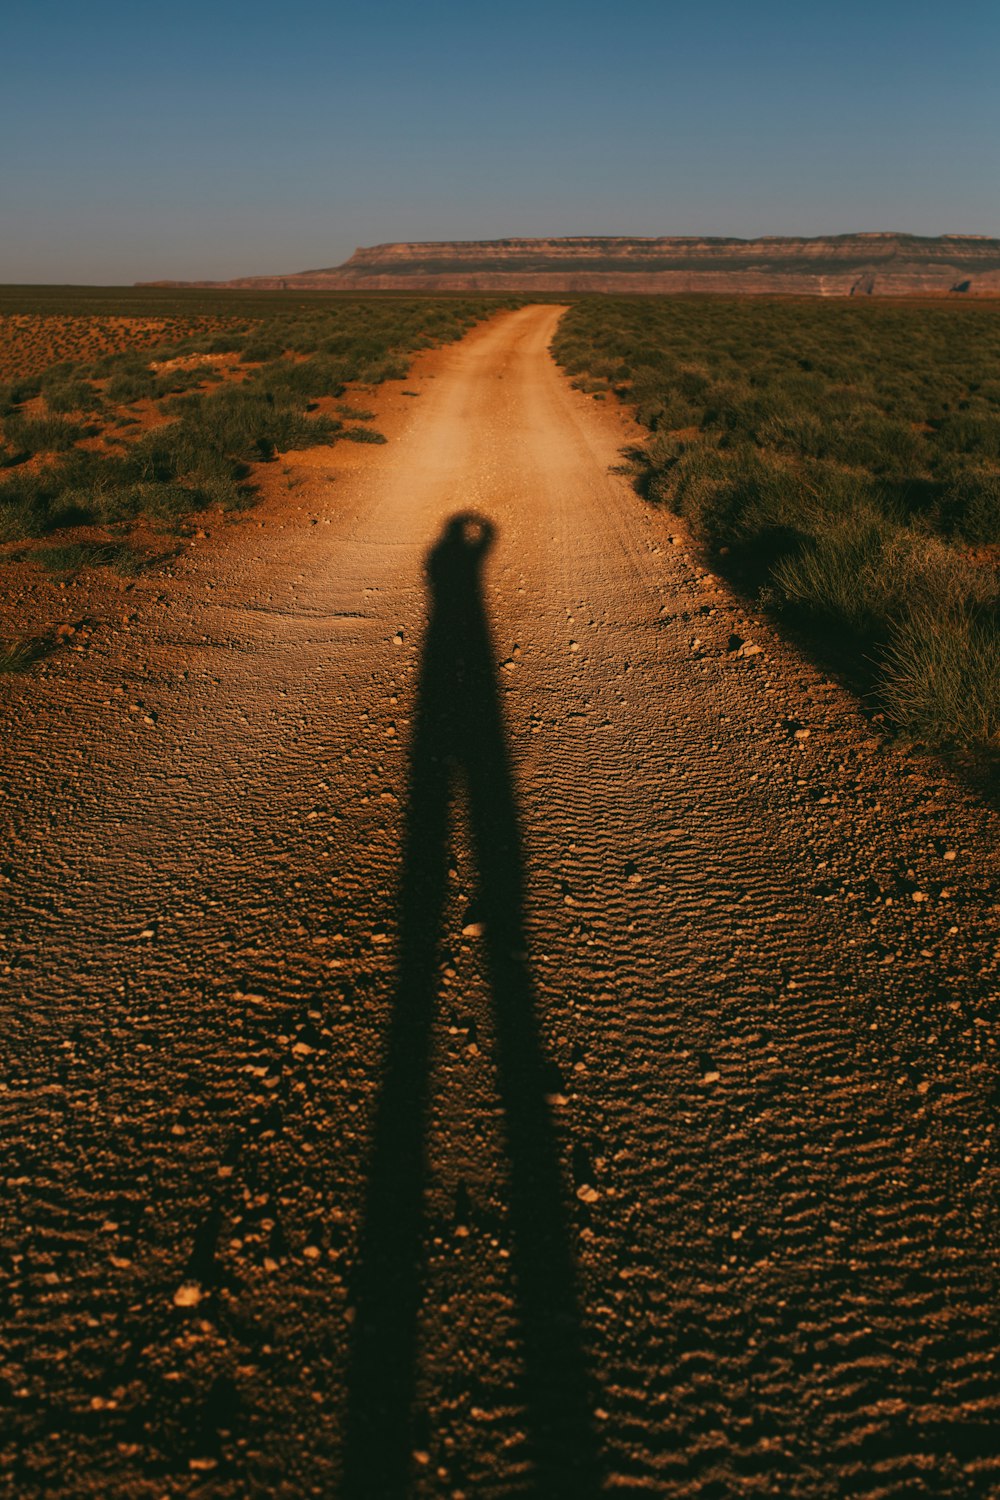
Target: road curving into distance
{"x": 482, "y": 1016}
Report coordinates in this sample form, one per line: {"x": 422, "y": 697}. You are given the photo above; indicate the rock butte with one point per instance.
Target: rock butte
{"x": 845, "y": 265}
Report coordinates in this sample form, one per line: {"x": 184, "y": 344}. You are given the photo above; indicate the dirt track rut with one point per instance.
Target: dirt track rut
{"x": 674, "y": 1045}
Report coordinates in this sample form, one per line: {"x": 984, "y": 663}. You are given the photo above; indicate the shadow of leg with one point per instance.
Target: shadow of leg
{"x": 459, "y": 727}
{"x": 386, "y": 1297}
{"x": 556, "y": 1391}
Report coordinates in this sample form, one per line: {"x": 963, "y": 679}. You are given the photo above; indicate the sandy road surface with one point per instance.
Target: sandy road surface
{"x": 620, "y": 1126}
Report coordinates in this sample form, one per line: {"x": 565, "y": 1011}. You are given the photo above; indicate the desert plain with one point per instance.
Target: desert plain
{"x": 486, "y": 1012}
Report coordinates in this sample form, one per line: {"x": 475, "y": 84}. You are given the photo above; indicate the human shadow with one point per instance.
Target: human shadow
{"x": 459, "y": 733}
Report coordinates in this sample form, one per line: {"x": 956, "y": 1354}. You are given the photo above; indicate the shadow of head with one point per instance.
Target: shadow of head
{"x": 459, "y": 552}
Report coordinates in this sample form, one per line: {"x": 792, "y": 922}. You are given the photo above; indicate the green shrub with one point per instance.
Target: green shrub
{"x": 179, "y": 406}
{"x": 171, "y": 382}
{"x": 18, "y": 656}
{"x": 970, "y": 434}
{"x": 303, "y": 380}
{"x": 65, "y": 561}
{"x": 27, "y": 435}
{"x": 24, "y": 390}
{"x": 25, "y": 507}
{"x": 72, "y": 395}
{"x": 739, "y": 498}
{"x": 225, "y": 343}
{"x": 261, "y": 350}
{"x": 970, "y": 505}
{"x": 131, "y": 386}
{"x": 941, "y": 672}
{"x": 856, "y": 570}
{"x": 834, "y": 452}
{"x": 388, "y": 368}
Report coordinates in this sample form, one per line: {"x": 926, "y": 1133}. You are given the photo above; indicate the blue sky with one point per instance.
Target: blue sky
{"x": 221, "y": 139}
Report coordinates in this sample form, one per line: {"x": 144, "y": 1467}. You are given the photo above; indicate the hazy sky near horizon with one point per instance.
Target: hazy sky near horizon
{"x": 221, "y": 139}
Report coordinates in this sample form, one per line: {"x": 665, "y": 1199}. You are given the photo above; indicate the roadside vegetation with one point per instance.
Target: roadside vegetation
{"x": 41, "y": 326}
{"x": 162, "y": 431}
{"x": 19, "y": 655}
{"x": 840, "y": 461}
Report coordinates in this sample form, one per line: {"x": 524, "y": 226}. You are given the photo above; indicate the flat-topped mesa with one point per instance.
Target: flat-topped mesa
{"x": 839, "y": 265}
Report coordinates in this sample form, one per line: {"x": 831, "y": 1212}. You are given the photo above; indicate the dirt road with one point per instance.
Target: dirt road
{"x": 462, "y": 1036}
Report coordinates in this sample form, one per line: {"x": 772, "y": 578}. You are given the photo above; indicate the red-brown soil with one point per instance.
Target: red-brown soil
{"x": 630, "y": 1130}
{"x": 30, "y": 342}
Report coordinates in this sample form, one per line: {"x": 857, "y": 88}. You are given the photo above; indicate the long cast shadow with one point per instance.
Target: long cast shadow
{"x": 459, "y": 731}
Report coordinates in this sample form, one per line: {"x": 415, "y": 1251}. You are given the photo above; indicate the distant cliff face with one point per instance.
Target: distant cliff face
{"x": 840, "y": 266}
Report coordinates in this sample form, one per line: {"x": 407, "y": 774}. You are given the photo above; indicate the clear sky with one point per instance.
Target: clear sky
{"x": 218, "y": 139}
